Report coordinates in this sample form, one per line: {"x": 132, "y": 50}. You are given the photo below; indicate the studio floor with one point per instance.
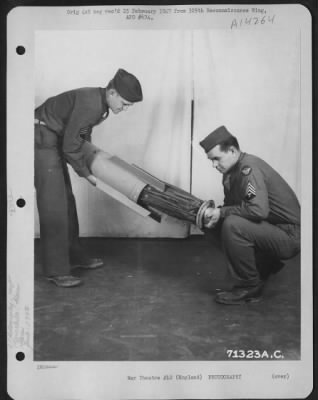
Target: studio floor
{"x": 154, "y": 300}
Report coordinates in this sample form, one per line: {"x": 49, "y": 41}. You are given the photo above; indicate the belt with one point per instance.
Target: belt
{"x": 39, "y": 122}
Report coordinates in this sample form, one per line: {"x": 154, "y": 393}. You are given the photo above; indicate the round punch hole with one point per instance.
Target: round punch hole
{"x": 20, "y": 50}
{"x": 20, "y": 356}
{"x": 20, "y": 203}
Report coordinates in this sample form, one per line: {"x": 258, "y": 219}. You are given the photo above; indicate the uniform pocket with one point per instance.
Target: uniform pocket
{"x": 46, "y": 138}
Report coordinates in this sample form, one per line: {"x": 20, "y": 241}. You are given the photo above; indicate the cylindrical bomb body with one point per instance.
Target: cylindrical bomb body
{"x": 122, "y": 177}
{"x": 113, "y": 171}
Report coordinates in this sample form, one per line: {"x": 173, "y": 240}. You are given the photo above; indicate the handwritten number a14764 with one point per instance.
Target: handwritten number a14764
{"x": 250, "y": 21}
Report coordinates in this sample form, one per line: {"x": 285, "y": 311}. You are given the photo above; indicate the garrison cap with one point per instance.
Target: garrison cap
{"x": 214, "y": 138}
{"x": 128, "y": 86}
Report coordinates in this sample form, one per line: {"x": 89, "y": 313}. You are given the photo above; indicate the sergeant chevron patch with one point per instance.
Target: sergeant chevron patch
{"x": 250, "y": 191}
{"x": 85, "y": 133}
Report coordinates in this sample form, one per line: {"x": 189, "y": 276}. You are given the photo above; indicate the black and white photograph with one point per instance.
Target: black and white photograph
{"x": 159, "y": 202}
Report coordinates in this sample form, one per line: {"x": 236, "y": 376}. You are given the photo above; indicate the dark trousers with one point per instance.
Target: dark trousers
{"x": 59, "y": 229}
{"x": 251, "y": 247}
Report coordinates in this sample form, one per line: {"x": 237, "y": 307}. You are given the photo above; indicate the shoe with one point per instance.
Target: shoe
{"x": 90, "y": 263}
{"x": 65, "y": 281}
{"x": 241, "y": 295}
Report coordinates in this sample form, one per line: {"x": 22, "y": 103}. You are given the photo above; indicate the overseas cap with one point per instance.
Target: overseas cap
{"x": 214, "y": 138}
{"x": 127, "y": 85}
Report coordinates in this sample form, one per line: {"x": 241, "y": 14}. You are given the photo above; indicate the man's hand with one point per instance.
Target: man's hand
{"x": 211, "y": 217}
{"x": 91, "y": 179}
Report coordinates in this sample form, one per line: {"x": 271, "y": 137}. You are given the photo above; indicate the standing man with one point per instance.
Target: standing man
{"x": 259, "y": 223}
{"x": 62, "y": 124}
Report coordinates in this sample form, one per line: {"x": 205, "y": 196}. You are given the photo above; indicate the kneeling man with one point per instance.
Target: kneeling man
{"x": 259, "y": 223}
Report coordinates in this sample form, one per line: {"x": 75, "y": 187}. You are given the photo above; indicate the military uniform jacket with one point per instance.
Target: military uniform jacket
{"x": 255, "y": 191}
{"x": 72, "y": 115}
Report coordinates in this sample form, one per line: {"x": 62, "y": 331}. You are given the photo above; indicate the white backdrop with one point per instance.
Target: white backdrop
{"x": 250, "y": 83}
{"x": 154, "y": 134}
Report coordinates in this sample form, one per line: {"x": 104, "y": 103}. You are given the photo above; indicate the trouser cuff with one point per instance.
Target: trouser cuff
{"x": 248, "y": 283}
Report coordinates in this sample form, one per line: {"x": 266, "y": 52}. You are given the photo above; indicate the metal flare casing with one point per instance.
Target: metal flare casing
{"x": 107, "y": 168}
{"x": 141, "y": 191}
{"x": 127, "y": 179}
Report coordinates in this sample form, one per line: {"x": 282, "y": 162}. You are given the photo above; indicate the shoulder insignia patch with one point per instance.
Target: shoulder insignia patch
{"x": 246, "y": 170}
